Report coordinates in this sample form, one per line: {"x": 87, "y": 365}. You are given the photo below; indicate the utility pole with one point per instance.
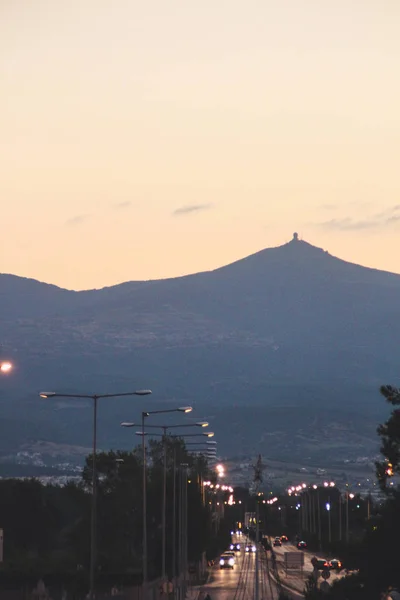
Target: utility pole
{"x": 329, "y": 519}
{"x": 319, "y": 523}
{"x": 164, "y": 507}
{"x": 258, "y": 468}
{"x": 183, "y": 541}
{"x": 174, "y": 502}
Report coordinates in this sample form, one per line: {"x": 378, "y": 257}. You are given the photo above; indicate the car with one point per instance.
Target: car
{"x": 320, "y": 563}
{"x": 235, "y": 547}
{"x": 284, "y": 539}
{"x": 250, "y": 548}
{"x": 277, "y": 542}
{"x": 302, "y": 545}
{"x": 226, "y": 561}
{"x": 336, "y": 564}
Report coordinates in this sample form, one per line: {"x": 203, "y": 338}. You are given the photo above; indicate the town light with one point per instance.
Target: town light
{"x": 5, "y": 367}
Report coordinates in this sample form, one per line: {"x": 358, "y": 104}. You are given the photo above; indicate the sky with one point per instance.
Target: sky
{"x": 148, "y": 139}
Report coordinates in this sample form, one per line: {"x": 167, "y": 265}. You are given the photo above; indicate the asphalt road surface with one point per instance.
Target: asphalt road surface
{"x": 297, "y": 579}
{"x": 239, "y": 583}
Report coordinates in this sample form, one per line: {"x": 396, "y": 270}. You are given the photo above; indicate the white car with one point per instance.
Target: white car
{"x": 227, "y": 561}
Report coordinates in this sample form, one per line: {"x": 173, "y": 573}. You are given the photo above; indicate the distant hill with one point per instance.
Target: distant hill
{"x": 287, "y": 326}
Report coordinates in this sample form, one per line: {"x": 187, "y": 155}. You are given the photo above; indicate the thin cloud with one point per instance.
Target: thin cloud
{"x": 385, "y": 219}
{"x": 393, "y": 219}
{"x": 77, "y": 220}
{"x": 122, "y": 205}
{"x": 190, "y": 208}
{"x": 353, "y": 204}
{"x": 390, "y": 212}
{"x": 348, "y": 224}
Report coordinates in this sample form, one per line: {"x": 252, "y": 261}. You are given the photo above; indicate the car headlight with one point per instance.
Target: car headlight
{"x": 231, "y": 562}
{"x": 254, "y": 548}
{"x": 231, "y": 547}
{"x": 221, "y": 562}
{"x": 247, "y": 549}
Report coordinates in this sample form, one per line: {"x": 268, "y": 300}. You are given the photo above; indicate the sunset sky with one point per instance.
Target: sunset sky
{"x": 153, "y": 138}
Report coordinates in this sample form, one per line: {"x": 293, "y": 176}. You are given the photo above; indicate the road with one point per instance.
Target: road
{"x": 297, "y": 579}
{"x": 239, "y": 583}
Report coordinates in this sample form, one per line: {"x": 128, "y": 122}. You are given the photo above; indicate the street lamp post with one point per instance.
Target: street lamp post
{"x": 174, "y": 508}
{"x": 319, "y": 522}
{"x": 208, "y": 435}
{"x": 93, "y": 527}
{"x": 328, "y": 508}
{"x": 184, "y": 409}
{"x": 351, "y": 496}
{"x": 165, "y": 428}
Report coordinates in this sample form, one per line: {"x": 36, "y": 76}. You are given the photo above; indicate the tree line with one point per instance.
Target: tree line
{"x": 47, "y": 527}
{"x": 375, "y": 554}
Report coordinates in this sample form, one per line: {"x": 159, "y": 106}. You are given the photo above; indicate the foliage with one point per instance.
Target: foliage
{"x": 311, "y": 591}
{"x": 389, "y": 433}
{"x": 47, "y": 528}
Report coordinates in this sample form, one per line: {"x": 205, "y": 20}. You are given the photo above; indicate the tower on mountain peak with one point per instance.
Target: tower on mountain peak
{"x": 295, "y": 237}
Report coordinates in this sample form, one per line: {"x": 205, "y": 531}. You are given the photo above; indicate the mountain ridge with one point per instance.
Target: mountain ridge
{"x": 286, "y": 325}
{"x": 268, "y": 253}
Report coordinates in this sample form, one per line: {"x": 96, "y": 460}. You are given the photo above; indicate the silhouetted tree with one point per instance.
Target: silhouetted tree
{"x": 389, "y": 433}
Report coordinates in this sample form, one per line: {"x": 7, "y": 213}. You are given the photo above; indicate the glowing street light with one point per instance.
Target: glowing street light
{"x": 5, "y": 367}
{"x": 389, "y": 470}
